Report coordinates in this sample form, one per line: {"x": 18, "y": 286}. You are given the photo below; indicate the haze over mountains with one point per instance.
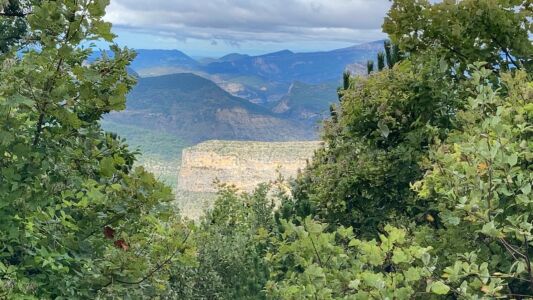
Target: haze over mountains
{"x": 279, "y": 96}
{"x": 196, "y": 109}
{"x": 283, "y": 65}
{"x": 263, "y": 78}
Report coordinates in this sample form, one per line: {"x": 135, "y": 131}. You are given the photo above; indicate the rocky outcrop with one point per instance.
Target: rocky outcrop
{"x": 243, "y": 164}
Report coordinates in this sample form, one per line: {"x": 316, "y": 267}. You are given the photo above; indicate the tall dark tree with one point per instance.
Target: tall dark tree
{"x": 388, "y": 53}
{"x": 381, "y": 61}
{"x": 370, "y": 67}
{"x": 333, "y": 113}
{"x": 396, "y": 55}
{"x": 346, "y": 80}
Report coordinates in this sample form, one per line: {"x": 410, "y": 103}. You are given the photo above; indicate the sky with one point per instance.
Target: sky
{"x": 212, "y": 28}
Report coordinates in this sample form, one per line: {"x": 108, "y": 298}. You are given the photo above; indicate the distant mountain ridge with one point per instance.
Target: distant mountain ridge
{"x": 172, "y": 58}
{"x": 195, "y": 109}
{"x": 232, "y": 57}
{"x": 238, "y": 63}
{"x": 279, "y": 96}
{"x": 287, "y": 66}
{"x": 261, "y": 78}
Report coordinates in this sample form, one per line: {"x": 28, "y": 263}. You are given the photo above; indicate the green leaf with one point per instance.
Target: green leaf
{"x": 384, "y": 129}
{"x": 439, "y": 288}
{"x": 526, "y": 190}
{"x": 449, "y": 218}
{"x": 512, "y": 160}
{"x": 399, "y": 256}
{"x": 412, "y": 275}
{"x": 107, "y": 166}
{"x": 354, "y": 284}
{"x": 491, "y": 230}
{"x": 19, "y": 100}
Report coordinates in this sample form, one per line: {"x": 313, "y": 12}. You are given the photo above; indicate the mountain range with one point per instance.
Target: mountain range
{"x": 195, "y": 109}
{"x": 263, "y": 78}
{"x": 287, "y": 66}
{"x": 280, "y": 96}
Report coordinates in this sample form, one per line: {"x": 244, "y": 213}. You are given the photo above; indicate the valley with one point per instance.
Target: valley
{"x": 179, "y": 102}
{"x": 280, "y": 96}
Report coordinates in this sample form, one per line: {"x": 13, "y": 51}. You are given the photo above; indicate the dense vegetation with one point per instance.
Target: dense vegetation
{"x": 422, "y": 190}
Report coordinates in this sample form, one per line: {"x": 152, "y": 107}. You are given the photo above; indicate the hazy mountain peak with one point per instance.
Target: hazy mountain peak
{"x": 279, "y": 53}
{"x": 233, "y": 57}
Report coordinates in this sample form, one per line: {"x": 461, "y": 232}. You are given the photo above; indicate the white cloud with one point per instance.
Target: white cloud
{"x": 253, "y": 20}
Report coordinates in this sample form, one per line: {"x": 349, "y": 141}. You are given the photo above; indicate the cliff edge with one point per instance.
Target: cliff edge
{"x": 243, "y": 164}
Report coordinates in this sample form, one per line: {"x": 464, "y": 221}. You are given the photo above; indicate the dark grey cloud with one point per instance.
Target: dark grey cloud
{"x": 252, "y": 20}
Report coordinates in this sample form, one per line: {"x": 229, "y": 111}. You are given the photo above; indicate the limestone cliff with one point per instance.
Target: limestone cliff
{"x": 243, "y": 164}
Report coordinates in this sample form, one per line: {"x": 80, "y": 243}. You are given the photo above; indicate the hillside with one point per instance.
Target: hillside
{"x": 195, "y": 109}
{"x": 160, "y": 152}
{"x": 158, "y": 62}
{"x": 306, "y": 102}
{"x": 155, "y": 62}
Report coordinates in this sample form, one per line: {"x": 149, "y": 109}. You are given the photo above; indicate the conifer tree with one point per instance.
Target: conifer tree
{"x": 370, "y": 67}
{"x": 396, "y": 56}
{"x": 339, "y": 93}
{"x": 381, "y": 61}
{"x": 388, "y": 54}
{"x": 333, "y": 113}
{"x": 346, "y": 80}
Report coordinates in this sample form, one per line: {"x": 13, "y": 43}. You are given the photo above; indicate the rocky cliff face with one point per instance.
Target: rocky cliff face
{"x": 243, "y": 164}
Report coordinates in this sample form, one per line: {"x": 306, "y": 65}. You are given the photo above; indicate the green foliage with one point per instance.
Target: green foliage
{"x": 481, "y": 179}
{"x": 13, "y": 24}
{"x": 361, "y": 178}
{"x": 422, "y": 190}
{"x": 439, "y": 143}
{"x": 78, "y": 220}
{"x": 311, "y": 263}
{"x": 231, "y": 242}
{"x": 496, "y": 32}
{"x": 470, "y": 146}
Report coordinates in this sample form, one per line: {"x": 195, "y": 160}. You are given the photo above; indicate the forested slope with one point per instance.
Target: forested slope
{"x": 195, "y": 109}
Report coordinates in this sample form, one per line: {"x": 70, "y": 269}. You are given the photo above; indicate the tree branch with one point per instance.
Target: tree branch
{"x": 314, "y": 248}
{"x": 528, "y": 262}
{"x": 14, "y": 14}
{"x": 158, "y": 267}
